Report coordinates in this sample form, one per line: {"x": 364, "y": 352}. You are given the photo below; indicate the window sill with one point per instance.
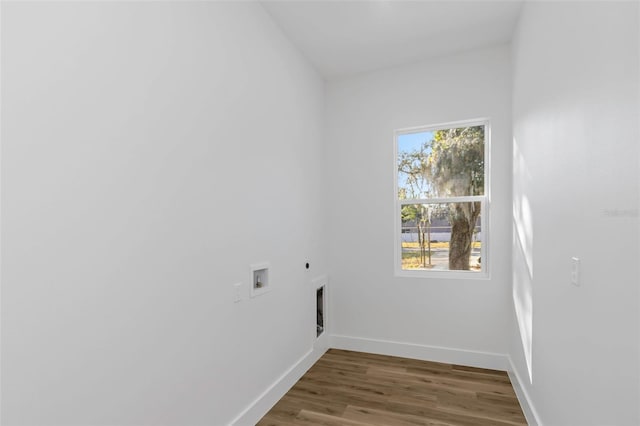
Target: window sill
{"x": 455, "y": 275}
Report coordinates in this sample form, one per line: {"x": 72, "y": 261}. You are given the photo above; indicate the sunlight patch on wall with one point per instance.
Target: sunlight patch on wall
{"x": 523, "y": 255}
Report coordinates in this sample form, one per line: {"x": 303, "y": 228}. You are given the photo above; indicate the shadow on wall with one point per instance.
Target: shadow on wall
{"x": 523, "y": 255}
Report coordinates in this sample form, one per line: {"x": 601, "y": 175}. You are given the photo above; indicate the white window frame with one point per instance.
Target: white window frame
{"x": 484, "y": 199}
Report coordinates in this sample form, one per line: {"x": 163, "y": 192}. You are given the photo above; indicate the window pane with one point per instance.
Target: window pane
{"x": 441, "y": 163}
{"x": 441, "y": 236}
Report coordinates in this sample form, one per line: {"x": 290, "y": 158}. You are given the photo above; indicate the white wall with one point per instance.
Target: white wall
{"x": 368, "y": 301}
{"x": 150, "y": 153}
{"x": 576, "y": 109}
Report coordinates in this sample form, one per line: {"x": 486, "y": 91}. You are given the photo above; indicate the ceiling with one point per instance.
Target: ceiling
{"x": 347, "y": 37}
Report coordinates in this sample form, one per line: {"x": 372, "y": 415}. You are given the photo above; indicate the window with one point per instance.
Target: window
{"x": 442, "y": 200}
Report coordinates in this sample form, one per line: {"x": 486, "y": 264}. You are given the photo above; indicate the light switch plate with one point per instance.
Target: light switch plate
{"x": 237, "y": 292}
{"x": 575, "y": 271}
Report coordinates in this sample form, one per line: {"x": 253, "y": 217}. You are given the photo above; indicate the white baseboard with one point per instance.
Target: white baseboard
{"x": 528, "y": 409}
{"x": 423, "y": 352}
{"x": 262, "y": 404}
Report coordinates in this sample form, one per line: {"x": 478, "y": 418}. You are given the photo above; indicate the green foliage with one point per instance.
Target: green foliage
{"x": 456, "y": 164}
{"x": 411, "y": 212}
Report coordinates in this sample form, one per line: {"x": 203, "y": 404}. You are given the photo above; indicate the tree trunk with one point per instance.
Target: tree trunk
{"x": 421, "y": 244}
{"x": 463, "y": 219}
{"x": 429, "y": 239}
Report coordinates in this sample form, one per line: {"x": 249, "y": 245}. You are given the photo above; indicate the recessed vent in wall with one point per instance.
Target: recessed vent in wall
{"x": 320, "y": 294}
{"x": 319, "y": 311}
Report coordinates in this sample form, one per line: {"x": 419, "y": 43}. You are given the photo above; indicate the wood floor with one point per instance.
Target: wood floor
{"x": 357, "y": 389}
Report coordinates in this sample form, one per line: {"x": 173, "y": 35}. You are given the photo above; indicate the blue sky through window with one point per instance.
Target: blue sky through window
{"x": 410, "y": 142}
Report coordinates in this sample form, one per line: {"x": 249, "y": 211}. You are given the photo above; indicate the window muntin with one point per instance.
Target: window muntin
{"x": 441, "y": 201}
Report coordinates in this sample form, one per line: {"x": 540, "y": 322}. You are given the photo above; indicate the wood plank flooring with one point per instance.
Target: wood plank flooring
{"x": 360, "y": 389}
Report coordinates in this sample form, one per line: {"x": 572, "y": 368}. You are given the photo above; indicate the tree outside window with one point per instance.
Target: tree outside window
{"x": 441, "y": 197}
